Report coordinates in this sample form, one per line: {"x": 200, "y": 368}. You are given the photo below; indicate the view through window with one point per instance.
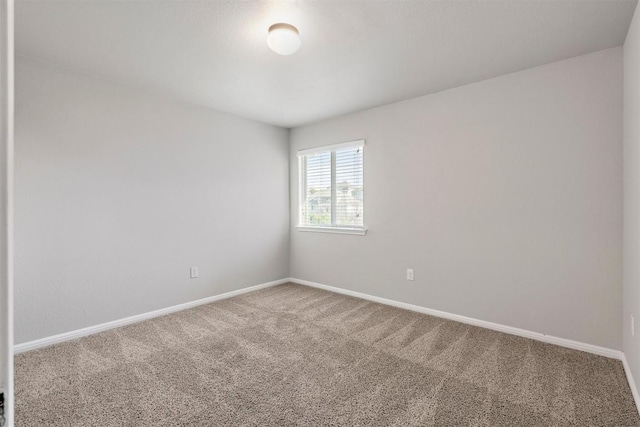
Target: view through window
{"x": 332, "y": 187}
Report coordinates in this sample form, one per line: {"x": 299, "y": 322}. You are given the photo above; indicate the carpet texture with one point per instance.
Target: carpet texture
{"x": 294, "y": 355}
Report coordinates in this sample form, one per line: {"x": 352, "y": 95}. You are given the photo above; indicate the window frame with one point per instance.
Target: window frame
{"x": 302, "y": 187}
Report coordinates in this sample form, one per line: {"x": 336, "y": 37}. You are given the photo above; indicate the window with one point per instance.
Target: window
{"x": 332, "y": 188}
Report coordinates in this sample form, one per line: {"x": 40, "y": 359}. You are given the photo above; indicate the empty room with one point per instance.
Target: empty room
{"x": 320, "y": 213}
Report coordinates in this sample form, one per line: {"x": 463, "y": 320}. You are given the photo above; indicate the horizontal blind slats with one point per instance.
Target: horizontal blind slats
{"x": 347, "y": 174}
{"x": 317, "y": 203}
{"x": 349, "y": 188}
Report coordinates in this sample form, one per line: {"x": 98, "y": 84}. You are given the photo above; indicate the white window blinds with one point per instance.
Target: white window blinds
{"x": 332, "y": 186}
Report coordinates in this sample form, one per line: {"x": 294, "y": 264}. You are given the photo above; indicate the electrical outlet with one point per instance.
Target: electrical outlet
{"x": 409, "y": 273}
{"x": 193, "y": 272}
{"x": 633, "y": 326}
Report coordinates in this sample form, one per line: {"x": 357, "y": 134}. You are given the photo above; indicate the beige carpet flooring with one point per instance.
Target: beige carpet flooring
{"x": 294, "y": 355}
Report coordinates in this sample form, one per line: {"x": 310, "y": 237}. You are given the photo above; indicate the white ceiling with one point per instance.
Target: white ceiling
{"x": 354, "y": 55}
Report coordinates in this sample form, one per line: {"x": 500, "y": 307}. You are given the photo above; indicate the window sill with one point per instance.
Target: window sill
{"x": 335, "y": 230}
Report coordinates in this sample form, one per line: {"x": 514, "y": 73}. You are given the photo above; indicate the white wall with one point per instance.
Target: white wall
{"x": 505, "y": 196}
{"x": 119, "y": 192}
{"x": 631, "y": 290}
{"x": 6, "y": 206}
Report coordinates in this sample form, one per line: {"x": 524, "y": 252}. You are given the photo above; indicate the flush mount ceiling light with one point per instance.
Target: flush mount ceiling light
{"x": 283, "y": 39}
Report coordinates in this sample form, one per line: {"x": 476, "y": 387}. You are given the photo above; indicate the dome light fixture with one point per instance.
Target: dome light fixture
{"x": 283, "y": 39}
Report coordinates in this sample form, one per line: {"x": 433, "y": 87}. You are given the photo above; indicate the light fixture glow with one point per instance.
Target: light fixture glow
{"x": 283, "y": 39}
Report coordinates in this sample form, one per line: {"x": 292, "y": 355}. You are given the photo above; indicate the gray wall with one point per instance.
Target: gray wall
{"x": 119, "y": 192}
{"x": 631, "y": 290}
{"x": 505, "y": 196}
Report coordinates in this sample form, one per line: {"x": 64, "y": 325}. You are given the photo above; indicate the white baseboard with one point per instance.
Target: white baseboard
{"x": 67, "y": 336}
{"x": 632, "y": 383}
{"x": 576, "y": 345}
